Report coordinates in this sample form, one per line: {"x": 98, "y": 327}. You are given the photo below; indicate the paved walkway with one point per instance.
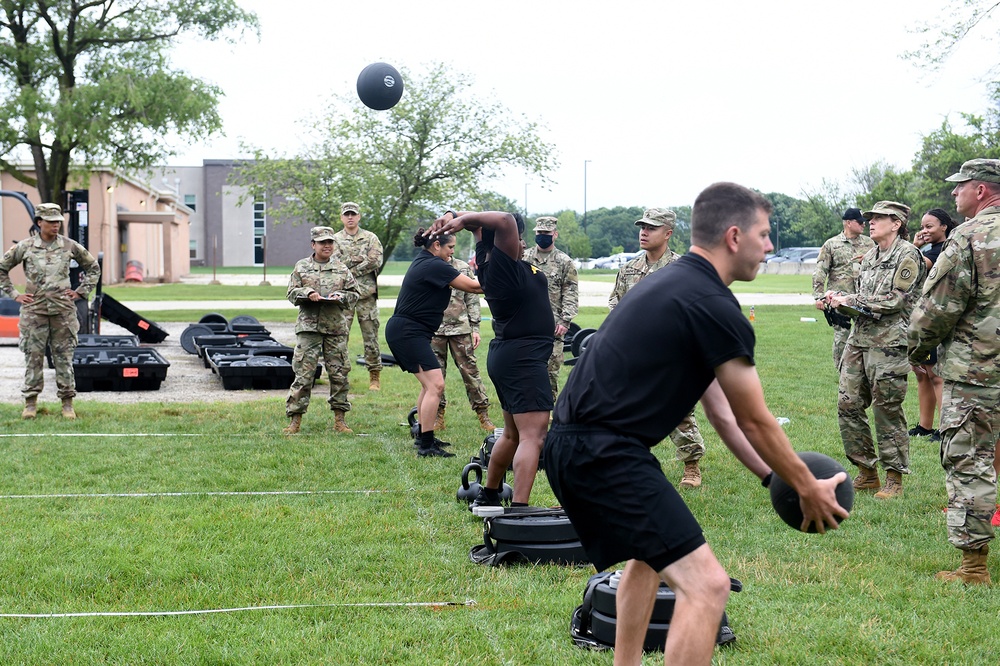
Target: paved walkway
{"x": 592, "y": 294}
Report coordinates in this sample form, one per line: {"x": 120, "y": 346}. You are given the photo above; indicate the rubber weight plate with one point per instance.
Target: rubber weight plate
{"x": 244, "y": 320}
{"x": 663, "y": 609}
{"x": 213, "y": 318}
{"x": 267, "y": 361}
{"x": 580, "y": 339}
{"x": 190, "y": 333}
{"x": 513, "y": 528}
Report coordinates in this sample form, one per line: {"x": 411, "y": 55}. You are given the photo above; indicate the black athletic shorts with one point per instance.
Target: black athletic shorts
{"x": 519, "y": 370}
{"x": 932, "y": 359}
{"x": 410, "y": 345}
{"x": 615, "y": 494}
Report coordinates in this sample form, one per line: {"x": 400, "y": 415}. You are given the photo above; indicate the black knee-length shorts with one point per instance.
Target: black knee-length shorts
{"x": 615, "y": 494}
{"x": 410, "y": 345}
{"x": 519, "y": 371}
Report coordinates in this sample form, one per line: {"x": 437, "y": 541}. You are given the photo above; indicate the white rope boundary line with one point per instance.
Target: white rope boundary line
{"x": 118, "y": 434}
{"x": 206, "y": 493}
{"x": 209, "y": 611}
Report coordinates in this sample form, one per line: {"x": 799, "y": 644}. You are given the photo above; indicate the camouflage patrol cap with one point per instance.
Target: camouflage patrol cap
{"x": 657, "y": 217}
{"x": 546, "y": 224}
{"x": 350, "y": 206}
{"x": 321, "y": 234}
{"x": 985, "y": 170}
{"x": 891, "y": 208}
{"x": 48, "y": 211}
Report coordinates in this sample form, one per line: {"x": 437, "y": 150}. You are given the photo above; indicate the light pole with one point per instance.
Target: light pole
{"x": 585, "y": 193}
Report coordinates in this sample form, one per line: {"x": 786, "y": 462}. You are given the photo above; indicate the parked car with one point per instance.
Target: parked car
{"x": 793, "y": 254}
{"x": 615, "y": 260}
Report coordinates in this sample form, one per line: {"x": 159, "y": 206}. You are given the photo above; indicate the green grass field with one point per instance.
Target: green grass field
{"x": 390, "y": 533}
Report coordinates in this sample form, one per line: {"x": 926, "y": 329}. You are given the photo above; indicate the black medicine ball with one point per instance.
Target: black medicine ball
{"x": 786, "y": 501}
{"x": 380, "y": 86}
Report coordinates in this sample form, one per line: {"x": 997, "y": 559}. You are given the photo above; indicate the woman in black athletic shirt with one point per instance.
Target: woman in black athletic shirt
{"x": 420, "y": 307}
{"x": 517, "y": 363}
{"x": 935, "y": 227}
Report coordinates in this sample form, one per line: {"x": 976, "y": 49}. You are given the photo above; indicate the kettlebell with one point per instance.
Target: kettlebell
{"x": 506, "y": 494}
{"x": 411, "y": 418}
{"x": 468, "y": 492}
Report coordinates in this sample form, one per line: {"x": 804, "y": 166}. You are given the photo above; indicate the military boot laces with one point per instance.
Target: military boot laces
{"x": 893, "y": 486}
{"x": 374, "y": 381}
{"x": 339, "y": 423}
{"x": 293, "y": 425}
{"x": 973, "y": 569}
{"x": 867, "y": 479}
{"x": 484, "y": 420}
{"x": 692, "y": 475}
{"x": 67, "y": 409}
{"x": 30, "y": 408}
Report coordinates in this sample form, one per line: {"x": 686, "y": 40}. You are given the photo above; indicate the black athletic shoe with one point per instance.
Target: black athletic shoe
{"x": 434, "y": 451}
{"x": 919, "y": 431}
{"x": 437, "y": 442}
{"x": 487, "y": 502}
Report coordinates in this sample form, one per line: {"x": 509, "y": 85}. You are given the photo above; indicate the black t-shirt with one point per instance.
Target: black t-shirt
{"x": 424, "y": 294}
{"x": 933, "y": 251}
{"x": 656, "y": 353}
{"x": 518, "y": 295}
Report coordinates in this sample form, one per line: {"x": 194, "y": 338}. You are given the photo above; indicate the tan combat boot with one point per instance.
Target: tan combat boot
{"x": 373, "y": 380}
{"x": 439, "y": 419}
{"x": 692, "y": 475}
{"x": 67, "y": 409}
{"x": 30, "y": 408}
{"x": 867, "y": 479}
{"x": 484, "y": 419}
{"x": 973, "y": 570}
{"x": 893, "y": 485}
{"x": 293, "y": 426}
{"x": 339, "y": 424}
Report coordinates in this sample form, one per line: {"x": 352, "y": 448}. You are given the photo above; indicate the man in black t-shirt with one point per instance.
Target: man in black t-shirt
{"x": 617, "y": 405}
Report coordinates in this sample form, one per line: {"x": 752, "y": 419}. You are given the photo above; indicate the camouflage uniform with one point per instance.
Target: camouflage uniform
{"x": 564, "y": 293}
{"x": 52, "y": 318}
{"x": 836, "y": 270}
{"x": 362, "y": 253}
{"x": 321, "y": 330}
{"x": 874, "y": 367}
{"x": 686, "y": 437}
{"x": 461, "y": 320}
{"x": 960, "y": 309}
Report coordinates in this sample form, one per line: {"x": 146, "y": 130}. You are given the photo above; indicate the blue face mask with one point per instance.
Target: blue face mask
{"x": 543, "y": 240}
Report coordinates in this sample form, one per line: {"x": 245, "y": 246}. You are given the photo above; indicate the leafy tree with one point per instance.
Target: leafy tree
{"x": 820, "y": 214}
{"x": 429, "y": 152}
{"x": 959, "y": 20}
{"x": 680, "y": 240}
{"x": 90, "y": 81}
{"x": 942, "y": 153}
{"x": 616, "y": 226}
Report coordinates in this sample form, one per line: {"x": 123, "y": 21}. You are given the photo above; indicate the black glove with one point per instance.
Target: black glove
{"x": 834, "y": 318}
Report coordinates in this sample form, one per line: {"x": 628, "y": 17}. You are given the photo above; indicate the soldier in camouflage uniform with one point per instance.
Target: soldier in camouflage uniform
{"x": 655, "y": 229}
{"x": 326, "y": 292}
{"x": 48, "y": 310}
{"x": 837, "y": 268}
{"x": 874, "y": 367}
{"x": 361, "y": 251}
{"x": 459, "y": 332}
{"x": 960, "y": 309}
{"x": 564, "y": 288}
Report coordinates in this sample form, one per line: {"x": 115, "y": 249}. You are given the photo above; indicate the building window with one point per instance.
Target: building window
{"x": 190, "y": 201}
{"x": 194, "y": 249}
{"x": 259, "y": 229}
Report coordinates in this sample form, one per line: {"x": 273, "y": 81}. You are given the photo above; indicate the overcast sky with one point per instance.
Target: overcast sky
{"x": 662, "y": 98}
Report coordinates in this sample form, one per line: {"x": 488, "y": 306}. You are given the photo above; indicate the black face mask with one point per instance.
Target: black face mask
{"x": 543, "y": 240}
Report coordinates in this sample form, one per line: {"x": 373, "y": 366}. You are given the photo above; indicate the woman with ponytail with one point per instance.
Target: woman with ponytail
{"x": 420, "y": 305}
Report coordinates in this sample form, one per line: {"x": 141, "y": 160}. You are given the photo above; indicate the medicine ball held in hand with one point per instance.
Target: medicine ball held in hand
{"x": 786, "y": 501}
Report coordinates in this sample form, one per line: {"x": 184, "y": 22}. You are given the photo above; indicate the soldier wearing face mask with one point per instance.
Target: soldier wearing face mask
{"x": 564, "y": 293}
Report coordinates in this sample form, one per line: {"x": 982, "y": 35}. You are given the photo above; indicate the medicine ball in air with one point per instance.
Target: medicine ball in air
{"x": 786, "y": 501}
{"x": 380, "y": 86}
